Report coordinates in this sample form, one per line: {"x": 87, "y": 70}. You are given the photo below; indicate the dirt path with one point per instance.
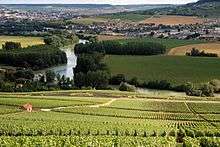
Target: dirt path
{"x": 199, "y": 115}
{"x": 90, "y": 106}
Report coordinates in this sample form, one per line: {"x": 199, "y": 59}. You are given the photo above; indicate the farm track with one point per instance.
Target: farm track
{"x": 199, "y": 115}
{"x": 90, "y": 106}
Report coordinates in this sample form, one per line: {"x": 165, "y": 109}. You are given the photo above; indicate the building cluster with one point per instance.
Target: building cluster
{"x": 209, "y": 30}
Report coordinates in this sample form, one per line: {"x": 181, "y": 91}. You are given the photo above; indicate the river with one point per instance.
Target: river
{"x": 66, "y": 70}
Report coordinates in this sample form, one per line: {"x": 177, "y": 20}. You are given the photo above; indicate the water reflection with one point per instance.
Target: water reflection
{"x": 66, "y": 70}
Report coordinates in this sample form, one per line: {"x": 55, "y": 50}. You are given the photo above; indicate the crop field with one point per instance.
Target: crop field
{"x": 207, "y": 47}
{"x": 89, "y": 20}
{"x": 175, "y": 69}
{"x": 108, "y": 37}
{"x": 25, "y": 41}
{"x": 107, "y": 118}
{"x": 173, "y": 20}
{"x": 126, "y": 17}
{"x": 169, "y": 43}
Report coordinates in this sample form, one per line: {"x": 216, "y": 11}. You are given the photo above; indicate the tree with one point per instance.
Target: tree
{"x": 207, "y": 90}
{"x": 11, "y": 45}
{"x": 97, "y": 79}
{"x": 117, "y": 79}
{"x": 50, "y": 76}
{"x": 24, "y": 73}
{"x": 126, "y": 87}
{"x": 79, "y": 79}
{"x": 134, "y": 81}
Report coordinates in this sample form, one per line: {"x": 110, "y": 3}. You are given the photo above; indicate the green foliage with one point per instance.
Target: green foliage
{"x": 216, "y": 85}
{"x": 24, "y": 73}
{"x": 117, "y": 79}
{"x": 35, "y": 57}
{"x": 126, "y": 87}
{"x": 128, "y": 47}
{"x": 207, "y": 90}
{"x": 60, "y": 38}
{"x": 126, "y": 16}
{"x": 50, "y": 76}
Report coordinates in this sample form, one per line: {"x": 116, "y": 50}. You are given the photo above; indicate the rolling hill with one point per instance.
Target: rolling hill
{"x": 202, "y": 8}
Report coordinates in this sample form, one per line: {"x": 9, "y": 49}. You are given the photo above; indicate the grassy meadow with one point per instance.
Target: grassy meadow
{"x": 25, "y": 41}
{"x": 126, "y": 17}
{"x": 169, "y": 43}
{"x": 175, "y": 69}
{"x": 106, "y": 118}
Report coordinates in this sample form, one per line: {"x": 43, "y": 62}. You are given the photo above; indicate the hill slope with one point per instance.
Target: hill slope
{"x": 202, "y": 8}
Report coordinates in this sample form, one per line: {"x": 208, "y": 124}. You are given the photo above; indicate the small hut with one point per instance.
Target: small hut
{"x": 28, "y": 107}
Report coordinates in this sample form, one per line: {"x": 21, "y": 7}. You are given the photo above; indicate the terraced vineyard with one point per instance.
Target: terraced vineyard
{"x": 108, "y": 118}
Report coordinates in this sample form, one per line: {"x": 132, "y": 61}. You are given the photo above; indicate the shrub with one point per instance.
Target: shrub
{"x": 216, "y": 85}
{"x": 127, "y": 87}
{"x": 117, "y": 79}
{"x": 207, "y": 90}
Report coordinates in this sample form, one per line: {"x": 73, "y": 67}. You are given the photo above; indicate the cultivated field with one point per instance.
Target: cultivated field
{"x": 107, "y": 118}
{"x": 173, "y": 20}
{"x": 207, "y": 47}
{"x": 25, "y": 41}
{"x": 177, "y": 70}
{"x": 89, "y": 20}
{"x": 126, "y": 17}
{"x": 108, "y": 37}
{"x": 169, "y": 43}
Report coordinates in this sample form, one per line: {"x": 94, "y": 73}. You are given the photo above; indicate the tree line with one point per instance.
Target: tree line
{"x": 24, "y": 80}
{"x": 127, "y": 47}
{"x": 91, "y": 71}
{"x": 196, "y": 53}
{"x": 34, "y": 57}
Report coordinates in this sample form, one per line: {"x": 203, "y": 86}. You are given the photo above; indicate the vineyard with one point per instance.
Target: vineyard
{"x": 108, "y": 118}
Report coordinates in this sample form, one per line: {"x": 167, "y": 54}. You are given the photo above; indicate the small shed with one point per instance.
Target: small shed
{"x": 28, "y": 107}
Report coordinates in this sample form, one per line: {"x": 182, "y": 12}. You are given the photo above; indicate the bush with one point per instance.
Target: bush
{"x": 216, "y": 85}
{"x": 134, "y": 81}
{"x": 207, "y": 90}
{"x": 117, "y": 79}
{"x": 162, "y": 85}
{"x": 126, "y": 87}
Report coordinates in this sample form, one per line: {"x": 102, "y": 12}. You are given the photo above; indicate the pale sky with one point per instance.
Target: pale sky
{"x": 115, "y": 2}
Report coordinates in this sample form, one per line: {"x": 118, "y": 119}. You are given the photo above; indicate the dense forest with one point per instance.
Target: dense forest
{"x": 118, "y": 48}
{"x": 34, "y": 57}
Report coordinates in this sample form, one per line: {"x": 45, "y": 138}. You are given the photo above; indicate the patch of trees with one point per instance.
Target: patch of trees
{"x": 205, "y": 90}
{"x": 34, "y": 57}
{"x": 11, "y": 45}
{"x": 90, "y": 38}
{"x": 91, "y": 71}
{"x": 202, "y": 90}
{"x": 60, "y": 38}
{"x": 24, "y": 80}
{"x": 196, "y": 53}
{"x": 122, "y": 48}
{"x": 127, "y": 87}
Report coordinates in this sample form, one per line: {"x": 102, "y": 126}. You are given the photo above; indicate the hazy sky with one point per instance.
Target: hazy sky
{"x": 98, "y": 1}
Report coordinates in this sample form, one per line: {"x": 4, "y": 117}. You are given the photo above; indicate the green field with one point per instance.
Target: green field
{"x": 106, "y": 118}
{"x": 25, "y": 41}
{"x": 169, "y": 43}
{"x": 126, "y": 17}
{"x": 177, "y": 70}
